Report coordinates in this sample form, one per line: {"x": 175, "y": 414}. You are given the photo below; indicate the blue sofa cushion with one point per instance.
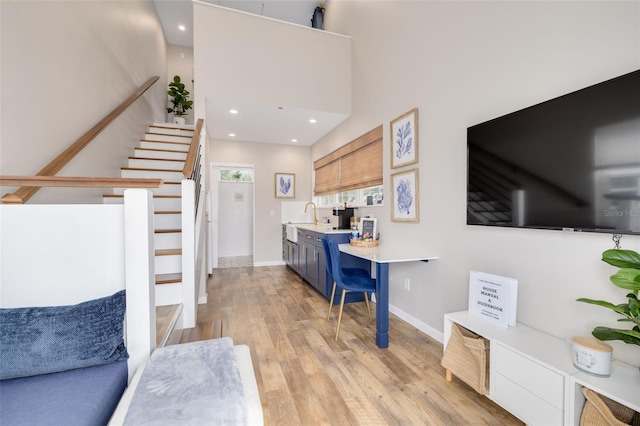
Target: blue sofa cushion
{"x": 41, "y": 340}
{"x": 84, "y": 396}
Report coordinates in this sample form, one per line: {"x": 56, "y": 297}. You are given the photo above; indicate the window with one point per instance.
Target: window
{"x": 353, "y": 171}
{"x": 354, "y": 197}
{"x": 236, "y": 175}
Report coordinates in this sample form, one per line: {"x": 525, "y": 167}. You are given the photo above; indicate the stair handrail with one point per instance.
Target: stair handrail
{"x": 79, "y": 182}
{"x": 23, "y": 193}
{"x": 189, "y": 163}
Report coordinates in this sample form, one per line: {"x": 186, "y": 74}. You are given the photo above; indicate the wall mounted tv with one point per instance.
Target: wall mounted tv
{"x": 570, "y": 163}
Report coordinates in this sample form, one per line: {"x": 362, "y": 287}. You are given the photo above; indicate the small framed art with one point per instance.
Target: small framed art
{"x": 404, "y": 139}
{"x": 368, "y": 228}
{"x": 404, "y": 196}
{"x": 285, "y": 185}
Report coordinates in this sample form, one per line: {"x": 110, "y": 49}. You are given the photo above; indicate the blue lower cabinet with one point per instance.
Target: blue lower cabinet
{"x": 308, "y": 260}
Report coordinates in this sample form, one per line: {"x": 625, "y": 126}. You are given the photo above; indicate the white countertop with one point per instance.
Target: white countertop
{"x": 325, "y": 229}
{"x": 387, "y": 253}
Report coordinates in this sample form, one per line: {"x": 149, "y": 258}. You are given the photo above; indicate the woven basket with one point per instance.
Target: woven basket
{"x": 360, "y": 243}
{"x": 467, "y": 357}
{"x": 601, "y": 411}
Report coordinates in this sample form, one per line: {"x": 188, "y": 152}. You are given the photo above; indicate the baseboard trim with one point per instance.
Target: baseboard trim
{"x": 272, "y": 263}
{"x": 425, "y": 328}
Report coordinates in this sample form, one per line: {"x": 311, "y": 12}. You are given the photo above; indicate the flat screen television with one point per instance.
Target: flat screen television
{"x": 570, "y": 163}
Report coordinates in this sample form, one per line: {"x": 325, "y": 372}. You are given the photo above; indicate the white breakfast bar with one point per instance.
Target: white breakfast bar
{"x": 382, "y": 256}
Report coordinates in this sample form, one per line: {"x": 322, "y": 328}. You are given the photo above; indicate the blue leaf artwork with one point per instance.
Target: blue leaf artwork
{"x": 404, "y": 141}
{"x": 404, "y": 196}
{"x": 285, "y": 185}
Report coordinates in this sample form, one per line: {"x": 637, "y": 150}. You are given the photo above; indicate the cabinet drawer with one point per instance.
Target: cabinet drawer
{"x": 313, "y": 238}
{"x": 535, "y": 378}
{"x": 528, "y": 407}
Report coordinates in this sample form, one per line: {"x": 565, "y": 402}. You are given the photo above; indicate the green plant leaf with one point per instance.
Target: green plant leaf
{"x": 621, "y": 309}
{"x": 627, "y": 336}
{"x": 627, "y": 278}
{"x": 622, "y": 258}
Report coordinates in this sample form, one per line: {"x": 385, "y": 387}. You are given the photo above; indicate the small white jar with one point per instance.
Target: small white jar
{"x": 592, "y": 355}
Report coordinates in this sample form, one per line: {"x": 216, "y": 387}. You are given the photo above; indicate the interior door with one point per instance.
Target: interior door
{"x": 223, "y": 214}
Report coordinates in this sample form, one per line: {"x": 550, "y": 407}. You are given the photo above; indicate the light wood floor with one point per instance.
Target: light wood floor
{"x": 305, "y": 378}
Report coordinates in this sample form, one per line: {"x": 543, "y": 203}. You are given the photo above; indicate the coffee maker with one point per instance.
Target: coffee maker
{"x": 342, "y": 217}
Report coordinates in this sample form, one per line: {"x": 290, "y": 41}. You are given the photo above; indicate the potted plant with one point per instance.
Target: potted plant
{"x": 180, "y": 100}
{"x": 628, "y": 278}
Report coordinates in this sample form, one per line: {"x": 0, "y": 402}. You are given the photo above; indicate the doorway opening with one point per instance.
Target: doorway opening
{"x": 232, "y": 215}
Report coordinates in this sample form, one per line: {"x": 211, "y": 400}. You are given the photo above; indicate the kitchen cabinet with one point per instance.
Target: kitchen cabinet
{"x": 306, "y": 257}
{"x": 286, "y": 249}
{"x": 311, "y": 250}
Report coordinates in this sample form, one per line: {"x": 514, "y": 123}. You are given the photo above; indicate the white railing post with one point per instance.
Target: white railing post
{"x": 139, "y": 253}
{"x": 189, "y": 290}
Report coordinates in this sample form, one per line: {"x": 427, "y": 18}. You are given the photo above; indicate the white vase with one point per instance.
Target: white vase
{"x": 179, "y": 121}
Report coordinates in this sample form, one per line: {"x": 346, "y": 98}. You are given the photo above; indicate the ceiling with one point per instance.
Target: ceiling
{"x": 253, "y": 122}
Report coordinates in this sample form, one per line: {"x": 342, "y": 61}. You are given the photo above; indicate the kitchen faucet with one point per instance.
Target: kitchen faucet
{"x": 315, "y": 216}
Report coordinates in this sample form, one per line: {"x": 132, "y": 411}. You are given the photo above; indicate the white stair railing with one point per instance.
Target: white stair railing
{"x": 193, "y": 238}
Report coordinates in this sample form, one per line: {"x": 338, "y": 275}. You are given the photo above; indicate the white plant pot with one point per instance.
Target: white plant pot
{"x": 179, "y": 121}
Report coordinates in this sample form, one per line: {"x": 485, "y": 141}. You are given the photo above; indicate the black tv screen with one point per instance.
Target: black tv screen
{"x": 570, "y": 163}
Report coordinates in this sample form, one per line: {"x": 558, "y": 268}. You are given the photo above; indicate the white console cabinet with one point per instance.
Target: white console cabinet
{"x": 532, "y": 376}
{"x": 623, "y": 386}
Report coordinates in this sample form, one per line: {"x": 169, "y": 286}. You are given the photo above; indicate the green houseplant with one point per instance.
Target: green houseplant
{"x": 628, "y": 278}
{"x": 179, "y": 99}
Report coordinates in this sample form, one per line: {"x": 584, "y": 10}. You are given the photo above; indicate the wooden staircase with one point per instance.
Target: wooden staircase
{"x": 161, "y": 154}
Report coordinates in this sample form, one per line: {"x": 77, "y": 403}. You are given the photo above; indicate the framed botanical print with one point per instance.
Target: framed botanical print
{"x": 404, "y": 139}
{"x": 285, "y": 185}
{"x": 404, "y": 196}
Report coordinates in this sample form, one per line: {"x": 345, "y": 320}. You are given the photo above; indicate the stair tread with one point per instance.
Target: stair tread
{"x": 169, "y": 142}
{"x": 168, "y": 252}
{"x": 156, "y": 159}
{"x": 171, "y": 125}
{"x": 175, "y": 151}
{"x": 168, "y": 278}
{"x": 182, "y": 129}
{"x": 153, "y": 170}
{"x": 168, "y": 231}
{"x": 167, "y": 134}
{"x": 154, "y": 196}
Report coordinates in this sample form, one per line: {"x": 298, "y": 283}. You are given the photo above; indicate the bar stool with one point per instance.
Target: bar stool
{"x": 347, "y": 282}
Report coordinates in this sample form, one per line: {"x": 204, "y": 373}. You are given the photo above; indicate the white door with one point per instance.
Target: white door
{"x": 232, "y": 214}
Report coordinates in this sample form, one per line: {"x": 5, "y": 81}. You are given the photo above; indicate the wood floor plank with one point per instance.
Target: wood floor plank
{"x": 305, "y": 378}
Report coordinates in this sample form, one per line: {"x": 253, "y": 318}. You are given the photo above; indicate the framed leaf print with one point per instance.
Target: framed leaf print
{"x": 404, "y": 139}
{"x": 404, "y": 196}
{"x": 285, "y": 185}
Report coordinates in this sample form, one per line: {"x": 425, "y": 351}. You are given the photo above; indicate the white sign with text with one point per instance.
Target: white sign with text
{"x": 493, "y": 297}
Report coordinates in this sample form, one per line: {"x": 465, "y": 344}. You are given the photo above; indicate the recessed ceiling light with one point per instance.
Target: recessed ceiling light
{"x": 232, "y": 134}
{"x": 294, "y": 140}
{"x": 313, "y": 120}
{"x": 233, "y": 111}
{"x": 182, "y": 27}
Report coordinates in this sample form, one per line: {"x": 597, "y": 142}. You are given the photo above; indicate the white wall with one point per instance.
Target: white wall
{"x": 65, "y": 65}
{"x": 247, "y": 57}
{"x": 268, "y": 159}
{"x": 462, "y": 63}
{"x": 180, "y": 62}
